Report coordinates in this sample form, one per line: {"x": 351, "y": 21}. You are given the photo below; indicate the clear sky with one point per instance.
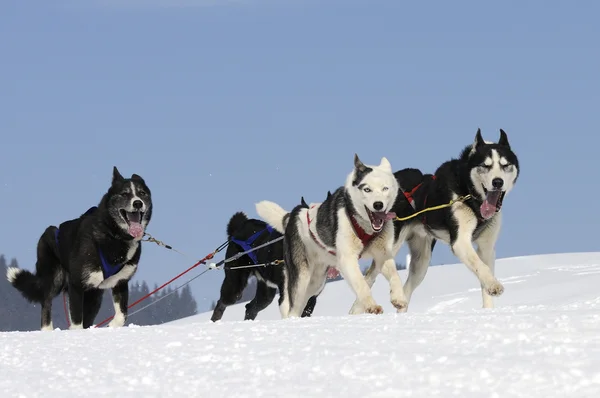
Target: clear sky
{"x": 220, "y": 106}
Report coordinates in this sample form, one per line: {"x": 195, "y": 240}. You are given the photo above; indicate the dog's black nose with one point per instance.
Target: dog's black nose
{"x": 138, "y": 204}
{"x": 497, "y": 183}
{"x": 378, "y": 205}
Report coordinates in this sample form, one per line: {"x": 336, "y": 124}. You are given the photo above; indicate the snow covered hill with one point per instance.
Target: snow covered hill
{"x": 542, "y": 340}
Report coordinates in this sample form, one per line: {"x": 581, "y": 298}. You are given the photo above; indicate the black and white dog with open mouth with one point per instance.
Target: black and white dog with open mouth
{"x": 486, "y": 171}
{"x": 96, "y": 251}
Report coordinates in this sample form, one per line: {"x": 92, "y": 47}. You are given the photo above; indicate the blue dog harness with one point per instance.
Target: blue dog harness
{"x": 108, "y": 269}
{"x": 247, "y": 244}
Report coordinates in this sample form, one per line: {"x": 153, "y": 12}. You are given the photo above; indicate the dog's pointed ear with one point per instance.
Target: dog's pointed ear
{"x": 358, "y": 165}
{"x": 116, "y": 175}
{"x": 503, "y": 139}
{"x": 137, "y": 177}
{"x": 385, "y": 164}
{"x": 328, "y": 194}
{"x": 303, "y": 202}
{"x": 478, "y": 140}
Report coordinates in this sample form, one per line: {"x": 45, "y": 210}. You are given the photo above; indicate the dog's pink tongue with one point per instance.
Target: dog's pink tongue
{"x": 136, "y": 230}
{"x": 488, "y": 207}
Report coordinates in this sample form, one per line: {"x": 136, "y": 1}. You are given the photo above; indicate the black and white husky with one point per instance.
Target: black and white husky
{"x": 98, "y": 250}
{"x": 354, "y": 222}
{"x": 487, "y": 171}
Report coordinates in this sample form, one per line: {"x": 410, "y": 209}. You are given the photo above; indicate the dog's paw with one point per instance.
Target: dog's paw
{"x": 356, "y": 309}
{"x": 400, "y": 305}
{"x": 47, "y": 328}
{"x": 75, "y": 326}
{"x": 375, "y": 309}
{"x": 495, "y": 288}
{"x": 117, "y": 322}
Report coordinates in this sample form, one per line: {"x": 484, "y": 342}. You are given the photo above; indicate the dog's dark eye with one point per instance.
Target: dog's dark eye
{"x": 142, "y": 193}
{"x": 124, "y": 194}
{"x": 385, "y": 189}
{"x": 367, "y": 190}
{"x": 508, "y": 167}
{"x": 485, "y": 166}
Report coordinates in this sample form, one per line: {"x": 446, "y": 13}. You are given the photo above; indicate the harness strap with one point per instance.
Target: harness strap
{"x": 361, "y": 233}
{"x": 364, "y": 237}
{"x": 409, "y": 196}
{"x": 247, "y": 244}
{"x": 108, "y": 269}
{"x": 314, "y": 237}
{"x": 433, "y": 177}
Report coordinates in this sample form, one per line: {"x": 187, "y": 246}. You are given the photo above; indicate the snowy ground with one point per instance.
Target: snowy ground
{"x": 542, "y": 340}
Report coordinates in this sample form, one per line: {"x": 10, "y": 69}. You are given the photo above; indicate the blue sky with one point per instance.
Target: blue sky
{"x": 220, "y": 106}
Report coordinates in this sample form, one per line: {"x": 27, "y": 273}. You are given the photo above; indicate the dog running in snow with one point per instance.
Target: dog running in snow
{"x": 245, "y": 234}
{"x": 96, "y": 251}
{"x": 485, "y": 170}
{"x": 354, "y": 222}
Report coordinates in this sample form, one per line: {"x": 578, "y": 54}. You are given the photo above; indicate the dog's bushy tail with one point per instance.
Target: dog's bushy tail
{"x": 273, "y": 214}
{"x": 27, "y": 283}
{"x": 236, "y": 222}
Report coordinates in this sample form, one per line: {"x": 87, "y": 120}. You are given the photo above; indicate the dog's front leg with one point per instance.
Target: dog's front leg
{"x": 350, "y": 270}
{"x": 370, "y": 277}
{"x": 462, "y": 247}
{"x": 120, "y": 294}
{"x": 487, "y": 252}
{"x": 76, "y": 303}
{"x": 389, "y": 271}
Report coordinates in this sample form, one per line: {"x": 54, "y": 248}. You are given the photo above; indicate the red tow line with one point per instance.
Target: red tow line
{"x": 203, "y": 261}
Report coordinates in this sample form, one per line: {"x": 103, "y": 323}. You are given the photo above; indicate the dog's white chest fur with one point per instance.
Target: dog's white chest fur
{"x": 96, "y": 278}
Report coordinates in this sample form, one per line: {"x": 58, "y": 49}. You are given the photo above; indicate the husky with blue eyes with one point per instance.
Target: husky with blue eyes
{"x": 487, "y": 171}
{"x": 355, "y": 221}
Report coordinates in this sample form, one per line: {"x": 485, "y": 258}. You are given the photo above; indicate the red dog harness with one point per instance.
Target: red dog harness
{"x": 364, "y": 237}
{"x": 409, "y": 196}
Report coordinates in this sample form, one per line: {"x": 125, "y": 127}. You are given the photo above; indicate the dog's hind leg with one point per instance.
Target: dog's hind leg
{"x": 264, "y": 296}
{"x": 486, "y": 250}
{"x": 420, "y": 248}
{"x": 92, "y": 300}
{"x": 298, "y": 291}
{"x": 462, "y": 247}
{"x": 316, "y": 286}
{"x": 232, "y": 288}
{"x": 310, "y": 307}
{"x": 47, "y": 315}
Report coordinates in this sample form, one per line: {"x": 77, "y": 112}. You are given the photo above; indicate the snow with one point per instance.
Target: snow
{"x": 542, "y": 340}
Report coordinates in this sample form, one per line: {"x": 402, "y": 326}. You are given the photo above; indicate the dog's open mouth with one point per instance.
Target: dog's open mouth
{"x": 378, "y": 218}
{"x": 134, "y": 222}
{"x": 492, "y": 202}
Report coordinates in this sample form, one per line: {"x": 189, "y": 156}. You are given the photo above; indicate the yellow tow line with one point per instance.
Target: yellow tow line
{"x": 438, "y": 207}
